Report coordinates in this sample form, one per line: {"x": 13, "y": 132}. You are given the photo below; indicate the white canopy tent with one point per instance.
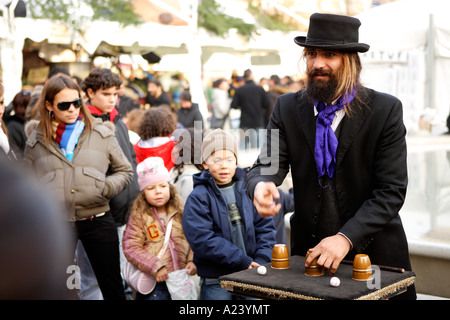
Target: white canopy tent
{"x": 173, "y": 43}
{"x": 409, "y": 57}
{"x": 135, "y": 39}
{"x": 196, "y": 45}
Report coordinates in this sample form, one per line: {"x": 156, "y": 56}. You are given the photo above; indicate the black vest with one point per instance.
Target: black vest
{"x": 329, "y": 220}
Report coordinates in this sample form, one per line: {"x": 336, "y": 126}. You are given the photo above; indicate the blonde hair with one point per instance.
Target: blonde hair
{"x": 141, "y": 204}
{"x": 350, "y": 79}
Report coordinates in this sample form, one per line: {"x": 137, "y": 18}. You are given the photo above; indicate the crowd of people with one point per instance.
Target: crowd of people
{"x": 144, "y": 186}
{"x": 122, "y": 169}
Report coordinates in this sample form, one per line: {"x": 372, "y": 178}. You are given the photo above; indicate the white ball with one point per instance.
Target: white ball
{"x": 335, "y": 282}
{"x": 261, "y": 270}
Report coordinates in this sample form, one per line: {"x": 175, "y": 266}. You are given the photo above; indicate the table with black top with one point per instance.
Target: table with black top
{"x": 293, "y": 284}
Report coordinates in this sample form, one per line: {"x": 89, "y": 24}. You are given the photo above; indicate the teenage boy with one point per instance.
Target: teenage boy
{"x": 101, "y": 87}
{"x": 220, "y": 222}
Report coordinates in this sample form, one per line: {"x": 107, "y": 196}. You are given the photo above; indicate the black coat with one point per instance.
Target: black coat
{"x": 126, "y": 104}
{"x": 371, "y": 175}
{"x": 16, "y": 135}
{"x": 156, "y": 102}
{"x": 187, "y": 116}
{"x": 254, "y": 103}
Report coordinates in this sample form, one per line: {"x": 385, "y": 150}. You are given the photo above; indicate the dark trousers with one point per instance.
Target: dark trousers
{"x": 101, "y": 243}
{"x": 161, "y": 292}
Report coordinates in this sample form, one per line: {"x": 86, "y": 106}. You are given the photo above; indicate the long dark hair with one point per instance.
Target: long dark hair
{"x": 56, "y": 84}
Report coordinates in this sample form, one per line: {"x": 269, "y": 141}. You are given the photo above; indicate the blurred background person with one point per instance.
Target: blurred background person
{"x": 189, "y": 112}
{"x": 35, "y": 243}
{"x": 134, "y": 119}
{"x": 15, "y": 122}
{"x": 276, "y": 89}
{"x": 155, "y": 96}
{"x": 187, "y": 155}
{"x": 5, "y": 149}
{"x": 220, "y": 103}
{"x": 253, "y": 101}
{"x": 124, "y": 103}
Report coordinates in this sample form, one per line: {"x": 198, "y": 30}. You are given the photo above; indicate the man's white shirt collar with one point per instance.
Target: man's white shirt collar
{"x": 338, "y": 116}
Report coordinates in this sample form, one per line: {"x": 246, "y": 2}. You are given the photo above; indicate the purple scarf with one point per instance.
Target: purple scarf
{"x": 326, "y": 141}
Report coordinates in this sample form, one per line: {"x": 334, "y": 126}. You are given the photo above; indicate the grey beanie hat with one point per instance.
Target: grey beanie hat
{"x": 216, "y": 140}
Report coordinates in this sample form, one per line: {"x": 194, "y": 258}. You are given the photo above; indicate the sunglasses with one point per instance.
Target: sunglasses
{"x": 65, "y": 105}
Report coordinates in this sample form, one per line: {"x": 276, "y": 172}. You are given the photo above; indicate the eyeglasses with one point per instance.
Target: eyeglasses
{"x": 228, "y": 160}
{"x": 65, "y": 105}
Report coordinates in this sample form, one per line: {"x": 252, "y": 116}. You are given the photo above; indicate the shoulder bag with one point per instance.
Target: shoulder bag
{"x": 140, "y": 281}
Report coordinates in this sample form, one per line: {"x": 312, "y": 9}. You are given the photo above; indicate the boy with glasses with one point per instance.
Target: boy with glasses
{"x": 220, "y": 222}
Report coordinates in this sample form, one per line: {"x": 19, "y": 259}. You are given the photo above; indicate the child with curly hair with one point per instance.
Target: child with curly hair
{"x": 156, "y": 130}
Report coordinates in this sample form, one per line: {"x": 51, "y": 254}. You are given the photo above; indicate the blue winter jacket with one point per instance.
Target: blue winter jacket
{"x": 207, "y": 227}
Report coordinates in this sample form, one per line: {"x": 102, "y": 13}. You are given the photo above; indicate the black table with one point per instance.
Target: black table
{"x": 293, "y": 284}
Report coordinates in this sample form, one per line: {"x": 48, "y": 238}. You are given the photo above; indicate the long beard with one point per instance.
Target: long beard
{"x": 322, "y": 90}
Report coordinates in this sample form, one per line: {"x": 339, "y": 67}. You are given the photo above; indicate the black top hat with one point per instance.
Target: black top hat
{"x": 334, "y": 32}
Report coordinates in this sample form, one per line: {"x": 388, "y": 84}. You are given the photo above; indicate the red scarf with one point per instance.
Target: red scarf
{"x": 96, "y": 111}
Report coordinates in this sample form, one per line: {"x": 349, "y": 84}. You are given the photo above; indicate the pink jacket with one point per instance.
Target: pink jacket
{"x": 144, "y": 236}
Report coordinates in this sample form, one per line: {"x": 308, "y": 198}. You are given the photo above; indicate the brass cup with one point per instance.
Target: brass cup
{"x": 362, "y": 268}
{"x": 314, "y": 270}
{"x": 280, "y": 257}
{"x": 362, "y": 275}
{"x": 280, "y": 264}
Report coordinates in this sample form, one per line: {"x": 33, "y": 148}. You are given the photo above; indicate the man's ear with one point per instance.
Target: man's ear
{"x": 205, "y": 166}
{"x": 90, "y": 93}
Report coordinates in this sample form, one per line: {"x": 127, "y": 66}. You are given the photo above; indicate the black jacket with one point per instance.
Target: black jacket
{"x": 187, "y": 116}
{"x": 16, "y": 135}
{"x": 254, "y": 103}
{"x": 370, "y": 177}
{"x": 156, "y": 102}
{"x": 126, "y": 104}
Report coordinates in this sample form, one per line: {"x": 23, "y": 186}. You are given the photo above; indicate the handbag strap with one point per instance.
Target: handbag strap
{"x": 166, "y": 239}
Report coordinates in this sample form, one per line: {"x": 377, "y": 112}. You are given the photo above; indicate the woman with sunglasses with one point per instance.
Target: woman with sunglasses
{"x": 80, "y": 160}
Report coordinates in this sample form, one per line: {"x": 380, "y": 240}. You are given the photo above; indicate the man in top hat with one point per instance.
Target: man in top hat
{"x": 345, "y": 146}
